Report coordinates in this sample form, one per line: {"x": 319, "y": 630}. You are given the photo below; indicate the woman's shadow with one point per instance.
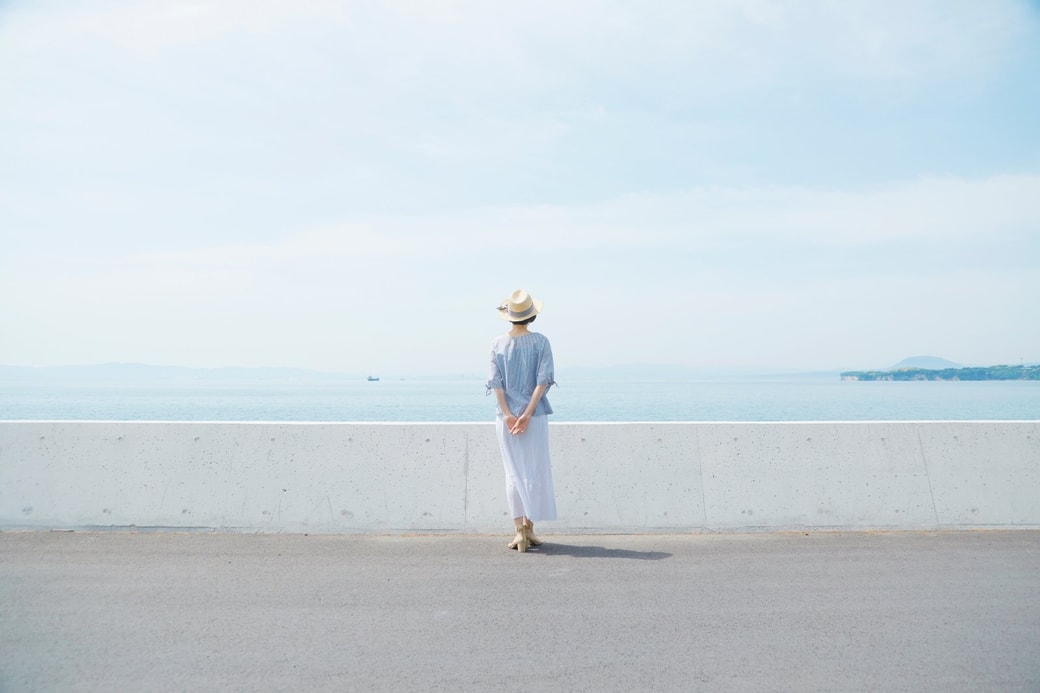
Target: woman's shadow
{"x": 554, "y": 549}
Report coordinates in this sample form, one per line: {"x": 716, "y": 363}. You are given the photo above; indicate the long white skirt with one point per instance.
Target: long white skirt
{"x": 529, "y": 485}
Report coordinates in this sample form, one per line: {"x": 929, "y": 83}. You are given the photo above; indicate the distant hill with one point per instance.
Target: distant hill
{"x": 932, "y": 363}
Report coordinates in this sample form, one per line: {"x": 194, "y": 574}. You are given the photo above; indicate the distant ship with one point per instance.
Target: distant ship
{"x": 373, "y": 379}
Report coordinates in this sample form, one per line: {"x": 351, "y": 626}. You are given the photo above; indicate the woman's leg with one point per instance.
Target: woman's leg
{"x": 532, "y": 539}
{"x": 520, "y": 541}
{"x": 513, "y": 496}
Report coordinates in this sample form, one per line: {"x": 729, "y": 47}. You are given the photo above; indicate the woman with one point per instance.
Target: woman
{"x": 521, "y": 374}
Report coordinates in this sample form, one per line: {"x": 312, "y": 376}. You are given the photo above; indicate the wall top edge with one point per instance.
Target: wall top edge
{"x": 854, "y": 422}
{"x": 194, "y": 422}
{"x": 844, "y": 422}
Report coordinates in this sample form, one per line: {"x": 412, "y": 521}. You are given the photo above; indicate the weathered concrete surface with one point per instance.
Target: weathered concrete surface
{"x": 903, "y": 611}
{"x": 363, "y": 477}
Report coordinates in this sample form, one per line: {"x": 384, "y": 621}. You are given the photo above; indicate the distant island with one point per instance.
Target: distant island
{"x": 930, "y": 363}
{"x": 1031, "y": 372}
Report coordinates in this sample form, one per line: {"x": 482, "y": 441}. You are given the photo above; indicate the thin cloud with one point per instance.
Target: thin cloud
{"x": 944, "y": 210}
{"x": 328, "y": 242}
{"x": 930, "y": 209}
{"x": 542, "y": 43}
{"x": 151, "y": 26}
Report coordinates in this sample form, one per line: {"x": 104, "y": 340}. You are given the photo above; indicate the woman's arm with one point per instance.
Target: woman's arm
{"x": 503, "y": 406}
{"x": 520, "y": 425}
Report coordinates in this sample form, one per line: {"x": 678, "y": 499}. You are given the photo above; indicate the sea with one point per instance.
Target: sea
{"x": 817, "y": 397}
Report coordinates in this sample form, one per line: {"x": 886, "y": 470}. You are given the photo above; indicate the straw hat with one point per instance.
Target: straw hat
{"x": 519, "y": 307}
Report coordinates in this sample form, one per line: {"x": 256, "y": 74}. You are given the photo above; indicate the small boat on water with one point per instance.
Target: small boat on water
{"x": 373, "y": 379}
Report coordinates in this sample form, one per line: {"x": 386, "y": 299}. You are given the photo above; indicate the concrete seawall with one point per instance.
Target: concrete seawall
{"x": 628, "y": 477}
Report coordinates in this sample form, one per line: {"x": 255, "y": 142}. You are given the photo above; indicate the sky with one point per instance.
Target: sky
{"x": 353, "y": 187}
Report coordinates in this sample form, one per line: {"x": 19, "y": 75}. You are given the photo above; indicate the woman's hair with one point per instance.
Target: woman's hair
{"x": 525, "y": 322}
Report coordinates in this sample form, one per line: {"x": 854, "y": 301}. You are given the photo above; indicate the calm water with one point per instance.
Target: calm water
{"x": 790, "y": 399}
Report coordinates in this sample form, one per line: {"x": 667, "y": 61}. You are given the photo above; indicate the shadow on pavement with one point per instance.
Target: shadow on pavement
{"x": 553, "y": 549}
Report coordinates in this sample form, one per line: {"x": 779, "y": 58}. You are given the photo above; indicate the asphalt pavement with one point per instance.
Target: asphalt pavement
{"x": 822, "y": 611}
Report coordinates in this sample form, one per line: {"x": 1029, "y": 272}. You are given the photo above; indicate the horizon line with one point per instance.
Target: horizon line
{"x": 656, "y": 368}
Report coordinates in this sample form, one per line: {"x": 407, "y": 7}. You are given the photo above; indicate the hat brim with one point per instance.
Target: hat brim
{"x": 536, "y": 306}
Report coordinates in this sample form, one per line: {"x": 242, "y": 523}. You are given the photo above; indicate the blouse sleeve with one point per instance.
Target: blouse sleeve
{"x": 495, "y": 381}
{"x": 546, "y": 371}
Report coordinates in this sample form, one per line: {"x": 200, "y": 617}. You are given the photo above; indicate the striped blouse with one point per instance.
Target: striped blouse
{"x": 518, "y": 365}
